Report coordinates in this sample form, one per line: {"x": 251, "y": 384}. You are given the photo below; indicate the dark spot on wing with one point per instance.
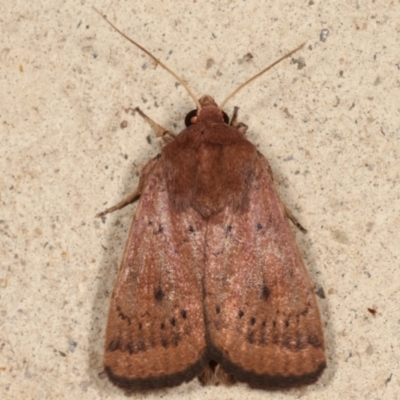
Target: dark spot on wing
{"x": 228, "y": 230}
{"x": 140, "y": 326}
{"x": 176, "y": 339}
{"x": 164, "y": 343}
{"x": 160, "y": 229}
{"x": 129, "y": 348}
{"x": 265, "y": 293}
{"x": 305, "y": 312}
{"x": 123, "y": 316}
{"x": 240, "y": 314}
{"x": 162, "y": 325}
{"x": 184, "y": 314}
{"x": 252, "y": 321}
{"x": 173, "y": 321}
{"x": 191, "y": 229}
{"x": 217, "y": 309}
{"x": 314, "y": 341}
{"x": 159, "y": 294}
{"x": 250, "y": 337}
{"x": 259, "y": 227}
{"x": 113, "y": 345}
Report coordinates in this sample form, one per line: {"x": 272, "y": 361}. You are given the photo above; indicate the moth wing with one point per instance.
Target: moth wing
{"x": 262, "y": 320}
{"x": 155, "y": 335}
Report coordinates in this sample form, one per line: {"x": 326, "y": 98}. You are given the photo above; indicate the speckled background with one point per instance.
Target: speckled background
{"x": 328, "y": 121}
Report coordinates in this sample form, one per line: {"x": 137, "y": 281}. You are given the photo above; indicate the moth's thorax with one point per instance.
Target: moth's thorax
{"x": 208, "y": 167}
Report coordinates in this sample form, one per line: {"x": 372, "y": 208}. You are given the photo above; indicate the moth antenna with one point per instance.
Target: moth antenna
{"x": 180, "y": 80}
{"x": 259, "y": 74}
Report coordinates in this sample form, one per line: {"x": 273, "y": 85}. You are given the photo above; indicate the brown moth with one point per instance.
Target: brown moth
{"x": 211, "y": 282}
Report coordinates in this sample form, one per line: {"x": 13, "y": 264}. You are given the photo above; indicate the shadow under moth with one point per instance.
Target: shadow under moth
{"x": 211, "y": 282}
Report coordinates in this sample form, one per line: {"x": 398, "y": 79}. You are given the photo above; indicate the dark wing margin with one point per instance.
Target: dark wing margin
{"x": 262, "y": 320}
{"x": 155, "y": 335}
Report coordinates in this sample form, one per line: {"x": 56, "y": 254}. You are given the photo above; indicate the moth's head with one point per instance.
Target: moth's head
{"x": 209, "y": 111}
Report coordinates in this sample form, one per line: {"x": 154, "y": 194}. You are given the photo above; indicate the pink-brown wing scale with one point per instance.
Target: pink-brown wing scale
{"x": 155, "y": 334}
{"x": 262, "y": 320}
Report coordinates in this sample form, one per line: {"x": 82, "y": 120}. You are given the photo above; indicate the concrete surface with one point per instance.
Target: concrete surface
{"x": 329, "y": 123}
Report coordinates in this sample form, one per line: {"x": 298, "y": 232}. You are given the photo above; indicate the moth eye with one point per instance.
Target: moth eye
{"x": 189, "y": 119}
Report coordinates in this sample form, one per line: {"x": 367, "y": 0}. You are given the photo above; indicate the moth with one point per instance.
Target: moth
{"x": 211, "y": 282}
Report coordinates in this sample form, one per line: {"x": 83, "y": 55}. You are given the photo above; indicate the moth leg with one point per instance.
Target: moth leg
{"x": 296, "y": 223}
{"x": 146, "y": 171}
{"x": 234, "y": 120}
{"x": 128, "y": 200}
{"x": 242, "y": 128}
{"x": 160, "y": 131}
